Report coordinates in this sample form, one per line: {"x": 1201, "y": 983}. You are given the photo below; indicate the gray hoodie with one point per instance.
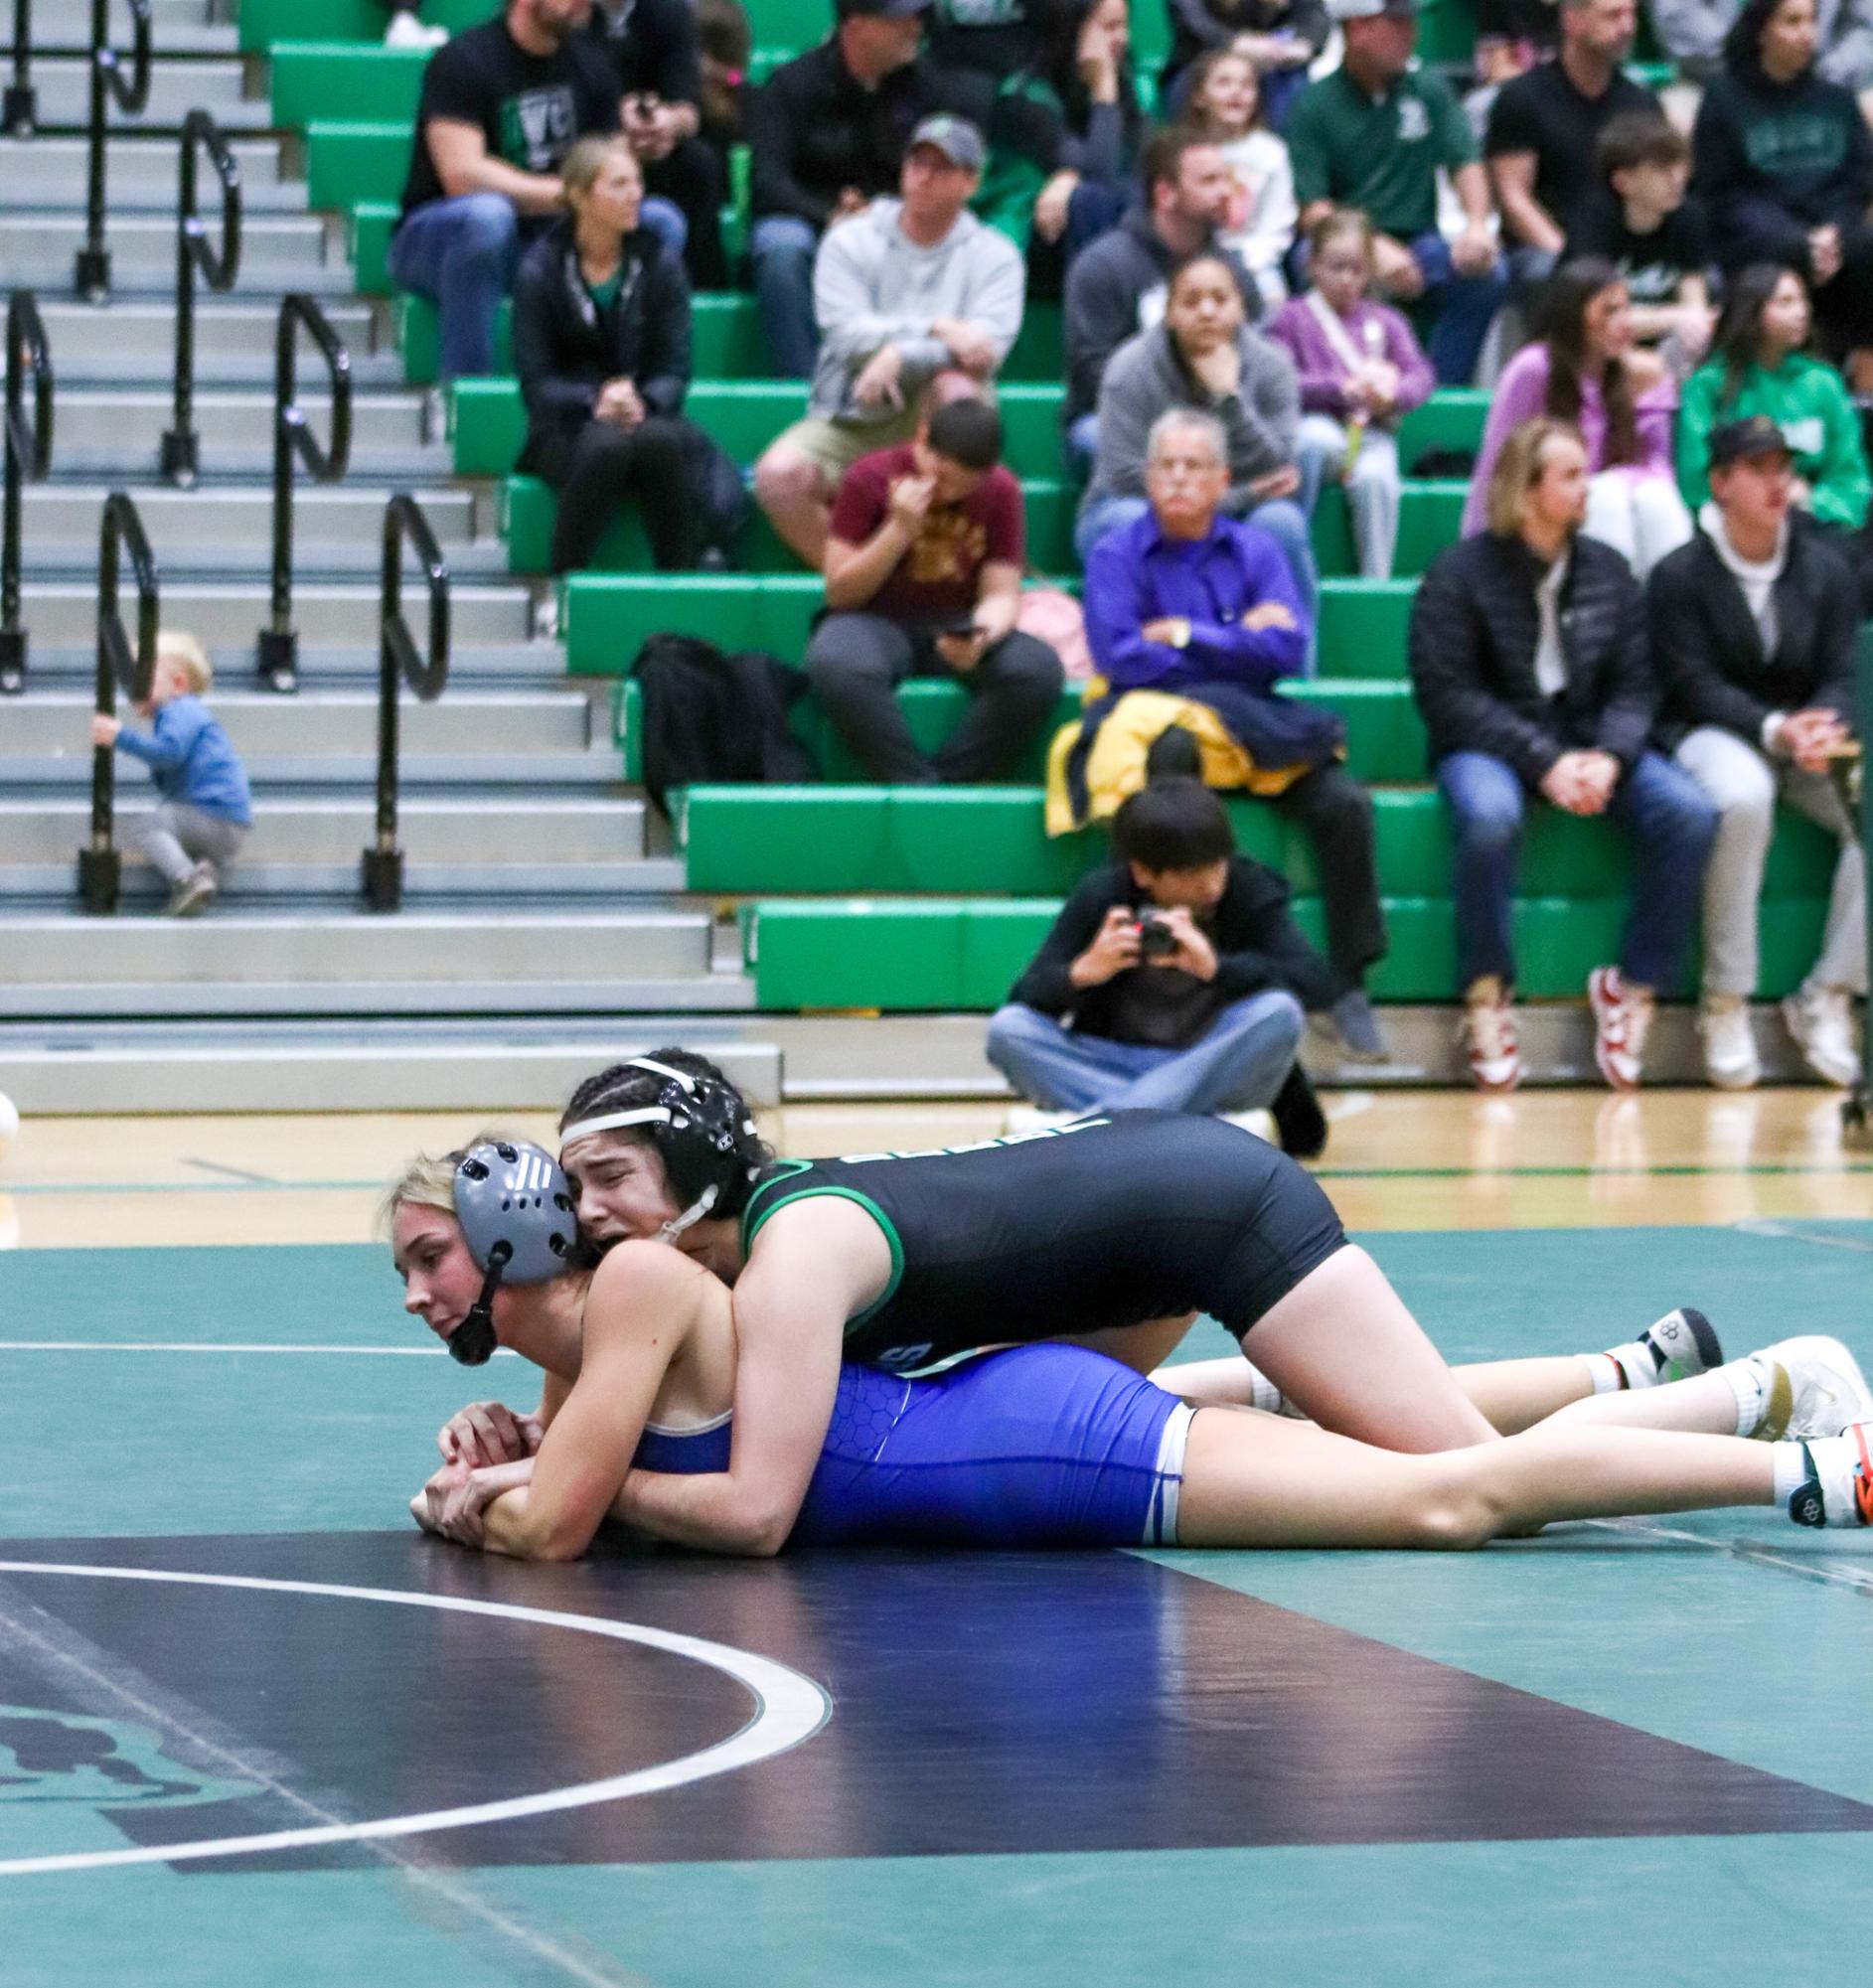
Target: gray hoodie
{"x": 1148, "y": 378}
{"x": 873, "y": 286}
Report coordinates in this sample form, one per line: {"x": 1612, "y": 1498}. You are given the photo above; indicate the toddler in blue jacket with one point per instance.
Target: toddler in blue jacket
{"x": 205, "y": 808}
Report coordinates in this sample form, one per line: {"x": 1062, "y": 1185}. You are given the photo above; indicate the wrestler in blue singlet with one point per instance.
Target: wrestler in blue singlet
{"x": 1041, "y": 1445}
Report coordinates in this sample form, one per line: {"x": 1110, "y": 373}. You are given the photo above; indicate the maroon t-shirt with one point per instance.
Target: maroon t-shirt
{"x": 937, "y": 579}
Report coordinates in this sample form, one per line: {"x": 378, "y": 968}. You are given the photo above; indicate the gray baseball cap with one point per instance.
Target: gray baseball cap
{"x": 955, "y": 137}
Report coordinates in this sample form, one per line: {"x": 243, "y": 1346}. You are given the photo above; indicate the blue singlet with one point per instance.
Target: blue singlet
{"x": 1041, "y": 1445}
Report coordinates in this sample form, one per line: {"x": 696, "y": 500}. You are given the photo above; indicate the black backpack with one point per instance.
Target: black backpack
{"x": 714, "y": 716}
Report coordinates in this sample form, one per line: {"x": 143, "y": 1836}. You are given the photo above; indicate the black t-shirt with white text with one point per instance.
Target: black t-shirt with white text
{"x": 1543, "y": 113}
{"x": 530, "y": 110}
{"x": 1654, "y": 264}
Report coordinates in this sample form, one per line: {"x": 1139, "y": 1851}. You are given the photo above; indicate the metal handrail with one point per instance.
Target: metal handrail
{"x": 119, "y": 664}
{"x": 181, "y": 454}
{"x": 130, "y": 92}
{"x": 294, "y": 439}
{"x": 19, "y": 113}
{"x": 28, "y": 447}
{"x": 399, "y": 662}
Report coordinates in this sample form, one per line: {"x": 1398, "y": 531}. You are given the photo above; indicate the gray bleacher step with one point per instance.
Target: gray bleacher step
{"x": 531, "y": 833}
{"x": 487, "y": 665}
{"x": 176, "y": 30}
{"x": 481, "y": 724}
{"x": 718, "y": 992}
{"x": 130, "y": 342}
{"x": 177, "y": 88}
{"x": 126, "y": 420}
{"x": 226, "y": 615}
{"x": 505, "y": 1063}
{"x": 646, "y": 883}
{"x": 45, "y": 776}
{"x": 308, "y": 951}
{"x": 278, "y": 251}
{"x": 143, "y": 176}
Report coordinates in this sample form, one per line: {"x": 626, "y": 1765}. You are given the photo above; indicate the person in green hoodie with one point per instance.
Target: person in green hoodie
{"x": 1785, "y": 166}
{"x": 1759, "y": 364}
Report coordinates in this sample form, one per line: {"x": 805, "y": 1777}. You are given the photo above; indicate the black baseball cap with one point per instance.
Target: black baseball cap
{"x": 883, "y": 9}
{"x": 1756, "y": 436}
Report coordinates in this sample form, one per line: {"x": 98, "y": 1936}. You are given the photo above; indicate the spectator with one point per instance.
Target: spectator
{"x": 501, "y": 105}
{"x": 989, "y": 37}
{"x": 1638, "y": 219}
{"x": 1544, "y": 125}
{"x": 907, "y": 289}
{"x": 205, "y": 808}
{"x": 1582, "y": 371}
{"x": 1278, "y": 37}
{"x": 828, "y": 132}
{"x": 1529, "y": 663}
{"x": 1373, "y": 135}
{"x": 1761, "y": 366}
{"x": 923, "y": 576}
{"x": 1205, "y": 356}
{"x": 1785, "y": 166}
{"x": 601, "y": 343}
{"x": 726, "y": 48}
{"x": 1225, "y": 104}
{"x": 1175, "y": 977}
{"x": 1117, "y": 288}
{"x": 1692, "y": 33}
{"x": 407, "y": 30}
{"x": 656, "y": 53}
{"x": 1754, "y": 624}
{"x": 1062, "y": 135}
{"x": 1360, "y": 369}
{"x": 1188, "y": 600}
{"x": 1512, "y": 37}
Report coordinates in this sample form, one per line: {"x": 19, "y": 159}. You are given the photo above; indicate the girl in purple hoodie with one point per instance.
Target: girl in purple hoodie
{"x": 1361, "y": 368}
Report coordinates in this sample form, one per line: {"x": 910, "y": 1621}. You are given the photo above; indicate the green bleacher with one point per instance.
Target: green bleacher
{"x": 855, "y": 896}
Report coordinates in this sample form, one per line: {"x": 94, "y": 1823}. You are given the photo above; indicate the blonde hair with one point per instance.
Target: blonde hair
{"x": 586, "y": 160}
{"x": 1519, "y": 469}
{"x": 174, "y": 644}
{"x": 429, "y": 1181}
{"x": 1339, "y": 221}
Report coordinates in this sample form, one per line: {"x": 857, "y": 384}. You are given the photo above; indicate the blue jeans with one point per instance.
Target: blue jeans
{"x": 1464, "y": 307}
{"x": 1083, "y": 445}
{"x": 1671, "y": 825}
{"x": 1282, "y": 520}
{"x": 664, "y": 219}
{"x": 781, "y": 247}
{"x": 461, "y": 255}
{"x": 1239, "y": 1064}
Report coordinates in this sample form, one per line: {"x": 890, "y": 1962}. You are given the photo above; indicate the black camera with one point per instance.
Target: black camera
{"x": 1156, "y": 939}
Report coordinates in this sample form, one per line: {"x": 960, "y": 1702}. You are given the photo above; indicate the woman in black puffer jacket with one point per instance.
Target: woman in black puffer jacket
{"x": 601, "y": 343}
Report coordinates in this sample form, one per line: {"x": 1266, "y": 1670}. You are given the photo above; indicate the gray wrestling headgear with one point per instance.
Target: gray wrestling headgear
{"x": 516, "y": 1213}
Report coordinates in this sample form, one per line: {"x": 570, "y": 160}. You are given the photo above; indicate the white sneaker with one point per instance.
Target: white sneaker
{"x": 1488, "y": 1033}
{"x": 1815, "y": 1388}
{"x": 1820, "y": 1019}
{"x": 1839, "y": 1486}
{"x": 1031, "y": 1117}
{"x": 1260, "y": 1121}
{"x": 1730, "y": 1059}
{"x": 406, "y": 32}
{"x": 196, "y": 893}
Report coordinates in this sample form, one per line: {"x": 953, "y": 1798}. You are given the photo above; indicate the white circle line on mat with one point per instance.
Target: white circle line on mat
{"x": 789, "y": 1709}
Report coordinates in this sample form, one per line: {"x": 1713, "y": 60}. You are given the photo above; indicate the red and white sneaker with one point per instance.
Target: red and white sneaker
{"x": 1620, "y": 1025}
{"x": 1488, "y": 1030}
{"x": 1838, "y": 1487}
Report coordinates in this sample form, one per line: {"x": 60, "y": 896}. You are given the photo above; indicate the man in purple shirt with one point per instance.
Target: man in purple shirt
{"x": 1189, "y": 601}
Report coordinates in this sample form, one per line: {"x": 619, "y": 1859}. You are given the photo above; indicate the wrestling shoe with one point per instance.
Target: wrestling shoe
{"x": 1838, "y": 1489}
{"x": 1672, "y": 1349}
{"x": 1620, "y": 1025}
{"x": 1488, "y": 1031}
{"x": 1814, "y": 1387}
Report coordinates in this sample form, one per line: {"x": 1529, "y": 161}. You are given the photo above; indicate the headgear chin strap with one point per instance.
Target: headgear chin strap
{"x": 516, "y": 1212}
{"x": 705, "y": 1136}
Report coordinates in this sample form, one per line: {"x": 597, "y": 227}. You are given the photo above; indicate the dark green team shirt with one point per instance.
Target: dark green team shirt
{"x": 1381, "y": 154}
{"x": 1106, "y": 1222}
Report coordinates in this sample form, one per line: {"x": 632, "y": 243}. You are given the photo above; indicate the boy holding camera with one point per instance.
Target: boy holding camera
{"x": 1175, "y": 978}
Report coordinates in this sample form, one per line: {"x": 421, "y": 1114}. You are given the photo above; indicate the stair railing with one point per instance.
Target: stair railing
{"x": 293, "y": 440}
{"x": 19, "y": 112}
{"x": 28, "y": 445}
{"x": 399, "y": 662}
{"x": 218, "y": 268}
{"x": 124, "y": 664}
{"x": 127, "y": 86}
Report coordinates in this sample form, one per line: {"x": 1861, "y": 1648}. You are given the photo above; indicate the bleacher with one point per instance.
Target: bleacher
{"x": 850, "y": 897}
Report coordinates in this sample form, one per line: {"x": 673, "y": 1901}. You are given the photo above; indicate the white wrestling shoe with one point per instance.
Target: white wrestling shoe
{"x": 1672, "y": 1349}
{"x": 1814, "y": 1388}
{"x": 1839, "y": 1490}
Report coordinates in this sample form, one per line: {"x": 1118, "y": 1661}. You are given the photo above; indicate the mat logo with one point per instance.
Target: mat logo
{"x": 66, "y": 1756}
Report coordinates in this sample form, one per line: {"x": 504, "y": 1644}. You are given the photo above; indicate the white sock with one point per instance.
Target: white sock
{"x": 1607, "y": 1375}
{"x": 1791, "y": 1470}
{"x": 1750, "y": 1381}
{"x": 1637, "y": 1363}
{"x": 1263, "y": 1393}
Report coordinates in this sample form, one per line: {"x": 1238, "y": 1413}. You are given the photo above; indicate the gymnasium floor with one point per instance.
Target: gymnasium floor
{"x": 1632, "y": 1753}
